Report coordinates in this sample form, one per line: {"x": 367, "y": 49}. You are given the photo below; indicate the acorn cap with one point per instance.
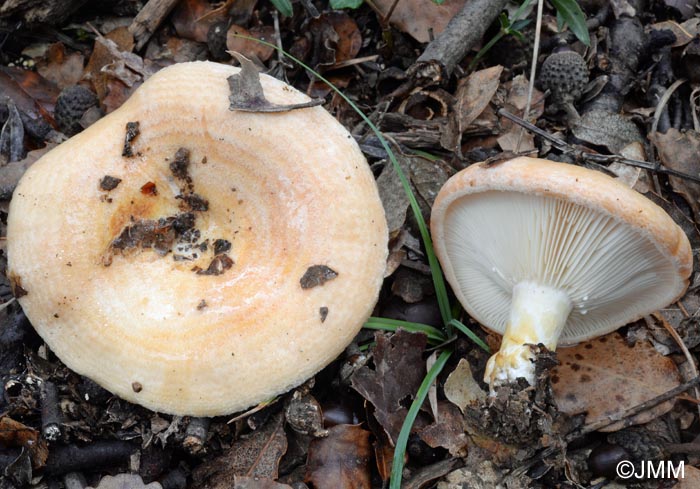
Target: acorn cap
{"x": 616, "y": 255}
{"x": 197, "y": 260}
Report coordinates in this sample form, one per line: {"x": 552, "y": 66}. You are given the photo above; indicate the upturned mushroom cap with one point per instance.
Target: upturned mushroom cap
{"x": 615, "y": 254}
{"x": 230, "y": 258}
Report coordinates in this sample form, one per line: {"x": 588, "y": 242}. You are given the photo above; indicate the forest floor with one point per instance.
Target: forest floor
{"x": 629, "y": 96}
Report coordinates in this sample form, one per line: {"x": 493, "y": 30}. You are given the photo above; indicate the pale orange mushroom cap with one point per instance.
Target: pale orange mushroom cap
{"x": 196, "y": 285}
{"x": 546, "y": 252}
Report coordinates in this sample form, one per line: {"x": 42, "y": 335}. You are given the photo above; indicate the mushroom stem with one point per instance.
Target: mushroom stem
{"x": 538, "y": 315}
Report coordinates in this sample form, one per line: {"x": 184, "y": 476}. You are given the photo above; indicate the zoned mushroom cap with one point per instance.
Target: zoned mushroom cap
{"x": 229, "y": 259}
{"x": 616, "y": 254}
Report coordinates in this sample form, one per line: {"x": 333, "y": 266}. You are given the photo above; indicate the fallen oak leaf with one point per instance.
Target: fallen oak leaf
{"x": 448, "y": 432}
{"x": 341, "y": 460}
{"x": 605, "y": 377}
{"x": 399, "y": 371}
{"x": 247, "y": 93}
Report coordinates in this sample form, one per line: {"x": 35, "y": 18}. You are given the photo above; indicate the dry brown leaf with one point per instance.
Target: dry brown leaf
{"x": 341, "y": 460}
{"x": 605, "y": 376}
{"x": 516, "y": 140}
{"x": 336, "y": 38}
{"x": 448, "y": 432}
{"x": 102, "y": 56}
{"x": 428, "y": 177}
{"x": 31, "y": 93}
{"x": 419, "y": 18}
{"x": 471, "y": 98}
{"x": 475, "y": 92}
{"x": 63, "y": 69}
{"x": 398, "y": 372}
{"x": 460, "y": 387}
{"x": 258, "y": 455}
{"x": 516, "y": 98}
{"x": 15, "y": 434}
{"x": 679, "y": 151}
{"x": 247, "y": 47}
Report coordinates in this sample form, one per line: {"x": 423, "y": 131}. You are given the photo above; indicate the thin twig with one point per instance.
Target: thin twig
{"x": 628, "y": 414}
{"x": 533, "y": 71}
{"x": 595, "y": 157}
{"x": 278, "y": 40}
{"x": 664, "y": 101}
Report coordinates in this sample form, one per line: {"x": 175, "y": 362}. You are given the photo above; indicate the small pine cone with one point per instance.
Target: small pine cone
{"x": 565, "y": 75}
{"x": 72, "y": 103}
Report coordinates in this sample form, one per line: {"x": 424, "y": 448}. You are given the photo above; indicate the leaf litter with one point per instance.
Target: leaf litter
{"x": 455, "y": 124}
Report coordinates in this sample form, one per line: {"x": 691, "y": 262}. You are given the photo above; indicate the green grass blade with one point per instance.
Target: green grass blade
{"x": 572, "y": 14}
{"x": 341, "y": 4}
{"x": 284, "y": 6}
{"x": 470, "y": 334}
{"x": 402, "y": 440}
{"x": 438, "y": 278}
{"x": 378, "y": 323}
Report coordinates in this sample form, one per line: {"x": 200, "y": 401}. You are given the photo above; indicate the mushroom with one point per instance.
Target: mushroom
{"x": 551, "y": 253}
{"x": 197, "y": 260}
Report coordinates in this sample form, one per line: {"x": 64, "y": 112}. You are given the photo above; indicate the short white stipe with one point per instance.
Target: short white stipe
{"x": 537, "y": 315}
